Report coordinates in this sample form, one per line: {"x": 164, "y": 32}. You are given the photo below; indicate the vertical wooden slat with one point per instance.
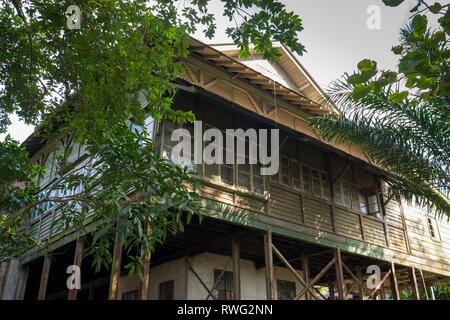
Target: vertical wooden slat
{"x": 23, "y": 279}
{"x": 382, "y": 293}
{"x": 268, "y": 254}
{"x": 76, "y": 261}
{"x": 331, "y": 290}
{"x": 44, "y": 276}
{"x": 413, "y": 281}
{"x": 360, "y": 284}
{"x": 236, "y": 248}
{"x": 306, "y": 273}
{"x": 330, "y": 184}
{"x": 115, "y": 269}
{"x": 394, "y": 284}
{"x": 383, "y": 212}
{"x": 4, "y": 276}
{"x": 340, "y": 275}
{"x": 405, "y": 228}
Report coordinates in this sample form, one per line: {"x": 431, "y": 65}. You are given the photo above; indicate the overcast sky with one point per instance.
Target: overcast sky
{"x": 336, "y": 37}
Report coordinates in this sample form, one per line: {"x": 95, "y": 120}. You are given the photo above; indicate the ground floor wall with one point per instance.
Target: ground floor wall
{"x": 187, "y": 286}
{"x": 9, "y": 278}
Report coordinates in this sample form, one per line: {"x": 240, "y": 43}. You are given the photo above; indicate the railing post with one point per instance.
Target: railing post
{"x": 236, "y": 248}
{"x": 44, "y": 276}
{"x": 78, "y": 257}
{"x": 268, "y": 254}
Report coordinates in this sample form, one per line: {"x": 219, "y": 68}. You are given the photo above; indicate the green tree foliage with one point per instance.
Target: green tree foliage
{"x": 401, "y": 118}
{"x": 87, "y": 82}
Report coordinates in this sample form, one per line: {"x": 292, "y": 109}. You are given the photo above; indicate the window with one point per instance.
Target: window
{"x": 166, "y": 290}
{"x": 354, "y": 197}
{"x": 245, "y": 176}
{"x": 285, "y": 290}
{"x": 296, "y": 175}
{"x": 43, "y": 207}
{"x": 306, "y": 178}
{"x": 433, "y": 228}
{"x": 374, "y": 208}
{"x": 303, "y": 177}
{"x": 224, "y": 288}
{"x": 130, "y": 295}
{"x": 168, "y": 144}
{"x": 285, "y": 175}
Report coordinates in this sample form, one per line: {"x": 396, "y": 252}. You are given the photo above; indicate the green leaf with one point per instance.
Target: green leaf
{"x": 426, "y": 83}
{"x": 444, "y": 21}
{"x": 366, "y": 65}
{"x": 436, "y": 7}
{"x": 419, "y": 24}
{"x": 393, "y": 3}
{"x": 360, "y": 91}
{"x": 398, "y": 96}
{"x": 354, "y": 79}
{"x": 397, "y": 49}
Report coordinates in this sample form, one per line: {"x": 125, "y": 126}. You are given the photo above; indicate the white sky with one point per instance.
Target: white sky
{"x": 335, "y": 35}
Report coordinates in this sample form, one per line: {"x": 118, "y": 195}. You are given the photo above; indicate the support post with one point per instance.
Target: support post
{"x": 340, "y": 275}
{"x": 78, "y": 257}
{"x": 146, "y": 271}
{"x": 331, "y": 290}
{"x": 382, "y": 293}
{"x": 23, "y": 279}
{"x": 394, "y": 284}
{"x": 236, "y": 248}
{"x": 413, "y": 281}
{"x": 115, "y": 269}
{"x": 360, "y": 282}
{"x": 306, "y": 273}
{"x": 44, "y": 276}
{"x": 268, "y": 254}
{"x": 433, "y": 297}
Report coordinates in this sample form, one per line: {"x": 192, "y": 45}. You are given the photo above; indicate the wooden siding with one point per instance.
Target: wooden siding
{"x": 286, "y": 204}
{"x": 420, "y": 239}
{"x": 348, "y": 223}
{"x": 317, "y": 214}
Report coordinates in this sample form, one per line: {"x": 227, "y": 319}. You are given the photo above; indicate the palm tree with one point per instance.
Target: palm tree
{"x": 410, "y": 139}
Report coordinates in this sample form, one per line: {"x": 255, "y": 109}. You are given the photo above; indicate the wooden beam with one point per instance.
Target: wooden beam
{"x": 331, "y": 290}
{"x": 115, "y": 269}
{"x": 380, "y": 284}
{"x": 340, "y": 275}
{"x": 236, "y": 248}
{"x": 146, "y": 270}
{"x": 360, "y": 282}
{"x": 44, "y": 276}
{"x": 23, "y": 279}
{"x": 258, "y": 109}
{"x": 316, "y": 278}
{"x": 210, "y": 294}
{"x": 268, "y": 255}
{"x": 77, "y": 259}
{"x": 306, "y": 273}
{"x": 357, "y": 278}
{"x": 413, "y": 280}
{"x": 4, "y": 279}
{"x": 425, "y": 286}
{"x": 339, "y": 177}
{"x": 394, "y": 284}
{"x": 200, "y": 280}
{"x": 211, "y": 83}
{"x": 288, "y": 265}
